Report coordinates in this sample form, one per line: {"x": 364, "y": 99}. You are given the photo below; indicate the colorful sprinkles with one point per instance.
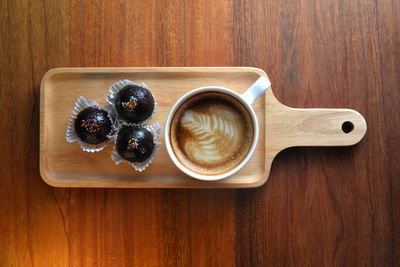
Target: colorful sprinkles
{"x": 132, "y": 144}
{"x": 131, "y": 104}
{"x": 90, "y": 125}
{"x": 76, "y": 116}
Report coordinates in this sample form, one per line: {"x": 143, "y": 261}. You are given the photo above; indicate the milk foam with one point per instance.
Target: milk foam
{"x": 211, "y": 133}
{"x": 214, "y": 136}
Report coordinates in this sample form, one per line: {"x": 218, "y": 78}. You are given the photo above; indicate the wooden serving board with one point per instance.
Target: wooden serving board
{"x": 65, "y": 165}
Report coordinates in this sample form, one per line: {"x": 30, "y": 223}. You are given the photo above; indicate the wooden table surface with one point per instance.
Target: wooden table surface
{"x": 320, "y": 206}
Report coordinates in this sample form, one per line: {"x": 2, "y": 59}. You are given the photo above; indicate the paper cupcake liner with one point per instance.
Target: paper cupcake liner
{"x": 114, "y": 89}
{"x": 71, "y": 135}
{"x": 139, "y": 166}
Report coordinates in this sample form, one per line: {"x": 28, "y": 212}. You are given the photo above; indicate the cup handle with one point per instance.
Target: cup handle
{"x": 256, "y": 90}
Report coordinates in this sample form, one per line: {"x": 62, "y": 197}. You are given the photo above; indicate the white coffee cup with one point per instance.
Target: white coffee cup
{"x": 246, "y": 99}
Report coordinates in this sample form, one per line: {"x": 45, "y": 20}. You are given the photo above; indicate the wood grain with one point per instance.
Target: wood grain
{"x": 328, "y": 206}
{"x": 320, "y": 206}
{"x": 155, "y": 227}
{"x": 33, "y": 217}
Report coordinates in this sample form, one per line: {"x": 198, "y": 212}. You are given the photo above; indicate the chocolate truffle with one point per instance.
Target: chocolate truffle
{"x": 135, "y": 144}
{"x": 92, "y": 125}
{"x": 134, "y": 103}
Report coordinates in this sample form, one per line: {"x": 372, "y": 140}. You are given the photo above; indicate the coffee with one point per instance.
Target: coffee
{"x": 211, "y": 133}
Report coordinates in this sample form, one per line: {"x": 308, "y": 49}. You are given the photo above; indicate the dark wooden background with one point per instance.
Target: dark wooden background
{"x": 320, "y": 206}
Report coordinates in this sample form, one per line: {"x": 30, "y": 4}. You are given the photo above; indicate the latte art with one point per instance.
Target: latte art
{"x": 214, "y": 137}
{"x": 211, "y": 133}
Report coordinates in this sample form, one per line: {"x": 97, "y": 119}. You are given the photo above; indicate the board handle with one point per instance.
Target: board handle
{"x": 317, "y": 127}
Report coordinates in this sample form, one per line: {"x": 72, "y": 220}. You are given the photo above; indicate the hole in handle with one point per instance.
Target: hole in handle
{"x": 347, "y": 127}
